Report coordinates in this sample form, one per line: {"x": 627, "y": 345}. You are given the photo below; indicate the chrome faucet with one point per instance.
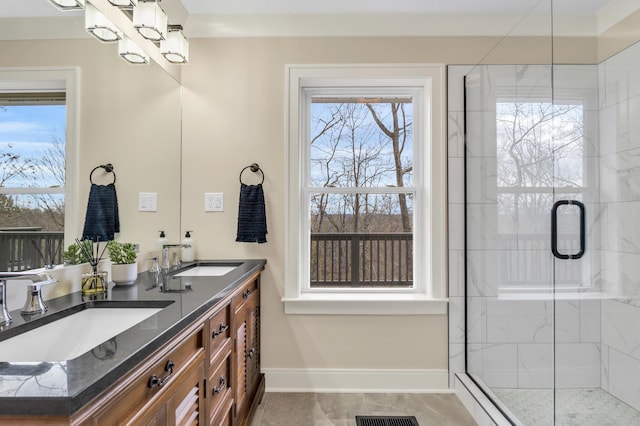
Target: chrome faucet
{"x": 175, "y": 261}
{"x": 34, "y": 303}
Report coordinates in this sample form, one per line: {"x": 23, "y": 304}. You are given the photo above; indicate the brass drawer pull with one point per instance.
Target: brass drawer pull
{"x": 155, "y": 380}
{"x": 220, "y": 388}
{"x": 222, "y": 329}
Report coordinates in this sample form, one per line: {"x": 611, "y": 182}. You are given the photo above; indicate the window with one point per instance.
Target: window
{"x": 34, "y": 163}
{"x": 366, "y": 201}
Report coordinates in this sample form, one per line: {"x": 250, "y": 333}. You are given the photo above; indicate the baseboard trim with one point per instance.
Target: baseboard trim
{"x": 356, "y": 380}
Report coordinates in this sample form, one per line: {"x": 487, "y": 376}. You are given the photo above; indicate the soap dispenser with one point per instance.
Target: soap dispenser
{"x": 188, "y": 253}
{"x": 161, "y": 241}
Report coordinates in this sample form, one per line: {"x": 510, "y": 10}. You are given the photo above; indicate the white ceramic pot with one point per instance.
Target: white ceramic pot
{"x": 124, "y": 274}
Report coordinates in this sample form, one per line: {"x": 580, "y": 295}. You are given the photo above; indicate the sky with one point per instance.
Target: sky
{"x": 28, "y": 130}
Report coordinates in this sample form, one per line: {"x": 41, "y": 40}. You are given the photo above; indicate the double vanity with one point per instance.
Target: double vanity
{"x": 178, "y": 347}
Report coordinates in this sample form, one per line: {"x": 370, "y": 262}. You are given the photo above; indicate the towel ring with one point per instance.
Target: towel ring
{"x": 108, "y": 169}
{"x": 254, "y": 168}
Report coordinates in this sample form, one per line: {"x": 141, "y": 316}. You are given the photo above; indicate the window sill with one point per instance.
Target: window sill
{"x": 365, "y": 304}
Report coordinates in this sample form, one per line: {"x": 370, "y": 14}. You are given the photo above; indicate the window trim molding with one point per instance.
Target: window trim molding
{"x": 430, "y": 294}
{"x": 71, "y": 78}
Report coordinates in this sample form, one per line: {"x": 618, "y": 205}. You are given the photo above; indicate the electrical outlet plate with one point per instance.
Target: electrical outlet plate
{"x": 213, "y": 202}
{"x": 147, "y": 201}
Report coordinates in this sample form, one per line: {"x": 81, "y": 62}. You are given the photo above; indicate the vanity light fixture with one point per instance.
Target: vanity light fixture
{"x": 68, "y": 4}
{"x": 131, "y": 52}
{"x": 99, "y": 26}
{"x": 150, "y": 20}
{"x": 144, "y": 25}
{"x": 175, "y": 48}
{"x": 124, "y": 4}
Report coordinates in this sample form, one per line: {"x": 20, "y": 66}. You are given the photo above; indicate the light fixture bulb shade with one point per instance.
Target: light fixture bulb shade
{"x": 131, "y": 52}
{"x": 150, "y": 20}
{"x": 125, "y": 4}
{"x": 68, "y": 4}
{"x": 99, "y": 26}
{"x": 175, "y": 48}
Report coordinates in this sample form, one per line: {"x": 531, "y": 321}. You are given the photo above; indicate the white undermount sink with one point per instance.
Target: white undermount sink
{"x": 207, "y": 271}
{"x": 73, "y": 335}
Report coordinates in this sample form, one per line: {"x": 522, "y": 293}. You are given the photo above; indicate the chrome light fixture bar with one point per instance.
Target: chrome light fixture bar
{"x": 175, "y": 48}
{"x": 131, "y": 52}
{"x": 99, "y": 26}
{"x": 150, "y": 20}
{"x": 124, "y": 4}
{"x": 68, "y": 4}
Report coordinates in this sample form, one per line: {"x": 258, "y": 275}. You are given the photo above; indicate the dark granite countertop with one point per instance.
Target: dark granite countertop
{"x": 62, "y": 387}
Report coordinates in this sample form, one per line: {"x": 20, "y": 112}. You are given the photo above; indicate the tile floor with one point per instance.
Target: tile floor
{"x": 574, "y": 407}
{"x": 324, "y": 409}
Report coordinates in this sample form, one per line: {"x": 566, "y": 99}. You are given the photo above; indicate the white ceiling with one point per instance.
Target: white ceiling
{"x": 40, "y": 8}
{"x": 223, "y": 18}
{"x": 380, "y": 6}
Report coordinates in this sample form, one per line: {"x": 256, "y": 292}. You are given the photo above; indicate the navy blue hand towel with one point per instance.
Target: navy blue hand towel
{"x": 102, "y": 219}
{"x": 252, "y": 218}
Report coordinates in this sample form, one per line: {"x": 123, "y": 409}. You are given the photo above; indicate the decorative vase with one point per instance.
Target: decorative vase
{"x": 124, "y": 274}
{"x": 94, "y": 282}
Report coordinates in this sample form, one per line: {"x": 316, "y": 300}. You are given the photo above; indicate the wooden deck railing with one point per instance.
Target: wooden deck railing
{"x": 361, "y": 260}
{"x": 18, "y": 250}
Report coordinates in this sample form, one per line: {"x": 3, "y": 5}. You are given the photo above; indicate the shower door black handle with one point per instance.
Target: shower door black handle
{"x": 554, "y": 229}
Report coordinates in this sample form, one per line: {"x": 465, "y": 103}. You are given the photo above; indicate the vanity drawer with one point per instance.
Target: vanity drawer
{"x": 219, "y": 386}
{"x": 219, "y": 330}
{"x": 224, "y": 417}
{"x": 246, "y": 292}
{"x": 151, "y": 380}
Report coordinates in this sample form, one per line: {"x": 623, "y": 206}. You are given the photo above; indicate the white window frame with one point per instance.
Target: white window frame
{"x": 53, "y": 79}
{"x": 428, "y": 296}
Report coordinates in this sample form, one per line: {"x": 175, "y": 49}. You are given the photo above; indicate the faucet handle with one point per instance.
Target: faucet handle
{"x": 155, "y": 267}
{"x": 5, "y": 318}
{"x": 34, "y": 303}
{"x": 175, "y": 259}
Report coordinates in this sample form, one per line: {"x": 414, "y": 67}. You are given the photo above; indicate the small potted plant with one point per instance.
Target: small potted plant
{"x": 75, "y": 254}
{"x": 124, "y": 269}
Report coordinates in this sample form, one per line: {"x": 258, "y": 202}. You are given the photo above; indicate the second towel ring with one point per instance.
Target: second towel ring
{"x": 255, "y": 168}
{"x": 108, "y": 169}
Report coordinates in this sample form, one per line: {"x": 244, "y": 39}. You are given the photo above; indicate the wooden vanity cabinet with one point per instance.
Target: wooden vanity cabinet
{"x": 223, "y": 384}
{"x": 249, "y": 381}
{"x": 235, "y": 383}
{"x": 208, "y": 374}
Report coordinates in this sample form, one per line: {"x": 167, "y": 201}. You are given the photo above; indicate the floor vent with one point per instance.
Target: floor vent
{"x": 386, "y": 421}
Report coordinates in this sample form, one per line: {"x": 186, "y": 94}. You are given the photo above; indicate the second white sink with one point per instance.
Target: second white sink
{"x": 207, "y": 271}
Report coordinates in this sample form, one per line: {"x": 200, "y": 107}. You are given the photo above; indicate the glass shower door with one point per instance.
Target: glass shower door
{"x": 575, "y": 238}
{"x": 509, "y": 194}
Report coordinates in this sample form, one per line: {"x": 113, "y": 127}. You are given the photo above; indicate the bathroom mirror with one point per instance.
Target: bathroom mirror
{"x": 126, "y": 115}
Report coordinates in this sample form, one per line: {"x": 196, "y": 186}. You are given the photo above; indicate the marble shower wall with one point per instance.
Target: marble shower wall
{"x": 620, "y": 199}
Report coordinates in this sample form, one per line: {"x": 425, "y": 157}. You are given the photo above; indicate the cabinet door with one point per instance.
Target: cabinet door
{"x": 185, "y": 406}
{"x": 247, "y": 350}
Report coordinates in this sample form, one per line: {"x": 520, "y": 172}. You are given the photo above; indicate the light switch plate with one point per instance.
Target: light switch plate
{"x": 213, "y": 201}
{"x": 147, "y": 201}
